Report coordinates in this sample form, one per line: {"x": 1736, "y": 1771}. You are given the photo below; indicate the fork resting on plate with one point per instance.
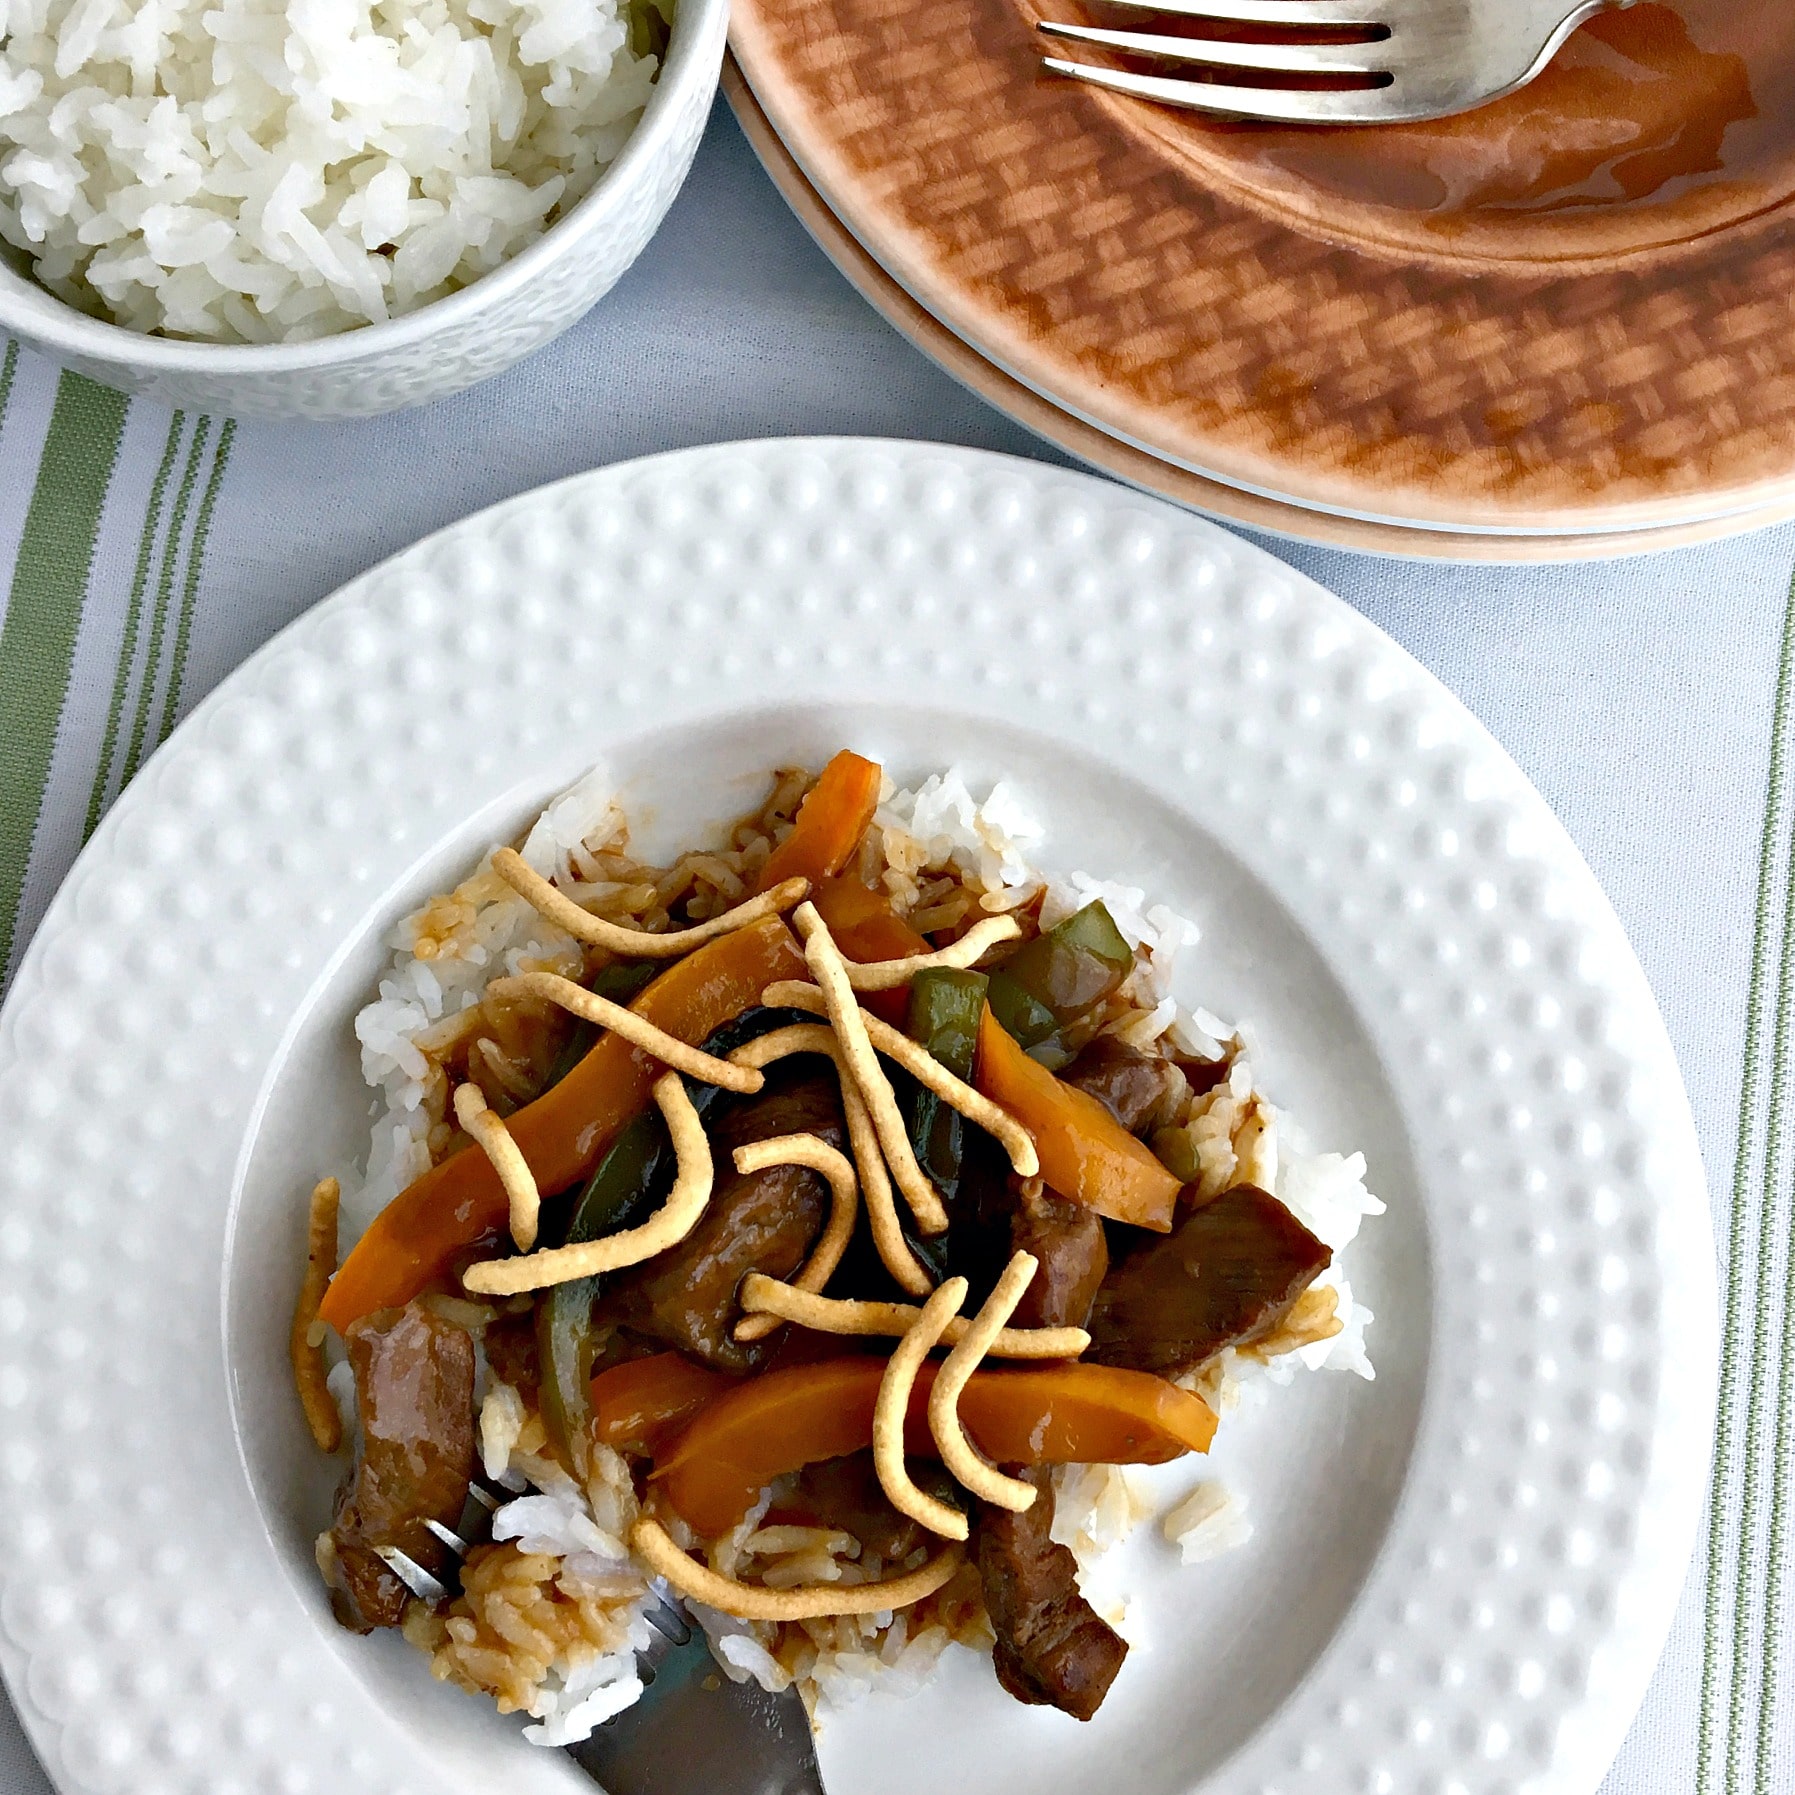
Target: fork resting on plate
{"x": 692, "y": 1730}
{"x": 1414, "y": 59}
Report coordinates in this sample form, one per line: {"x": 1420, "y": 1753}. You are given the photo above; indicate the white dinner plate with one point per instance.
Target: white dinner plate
{"x": 1461, "y": 1573}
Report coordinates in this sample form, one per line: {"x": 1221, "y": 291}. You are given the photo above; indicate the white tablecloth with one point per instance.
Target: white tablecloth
{"x": 1639, "y": 696}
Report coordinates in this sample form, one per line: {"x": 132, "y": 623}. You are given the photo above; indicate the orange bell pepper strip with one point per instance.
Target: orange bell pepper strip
{"x": 419, "y": 1236}
{"x": 864, "y": 924}
{"x": 643, "y": 1404}
{"x": 866, "y": 927}
{"x": 1086, "y": 1154}
{"x": 830, "y": 822}
{"x": 1034, "y": 1415}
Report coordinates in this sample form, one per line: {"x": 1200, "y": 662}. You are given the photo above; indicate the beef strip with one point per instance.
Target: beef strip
{"x": 414, "y": 1381}
{"x": 511, "y": 1351}
{"x": 1141, "y": 1090}
{"x": 1051, "y": 1646}
{"x": 846, "y": 1493}
{"x": 756, "y": 1221}
{"x": 1226, "y": 1275}
{"x": 1068, "y": 1241}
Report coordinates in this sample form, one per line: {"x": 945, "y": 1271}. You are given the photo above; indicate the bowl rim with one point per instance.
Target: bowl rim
{"x": 67, "y": 332}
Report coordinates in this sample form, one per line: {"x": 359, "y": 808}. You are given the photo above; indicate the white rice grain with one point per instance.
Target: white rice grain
{"x": 1211, "y": 1520}
{"x": 268, "y": 170}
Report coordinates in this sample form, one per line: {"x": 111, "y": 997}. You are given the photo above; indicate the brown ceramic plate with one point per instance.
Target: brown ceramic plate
{"x": 1570, "y": 313}
{"x": 1096, "y": 449}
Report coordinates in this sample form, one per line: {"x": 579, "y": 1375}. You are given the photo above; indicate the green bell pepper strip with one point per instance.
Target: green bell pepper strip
{"x": 1059, "y": 977}
{"x": 945, "y": 1006}
{"x": 943, "y": 1017}
{"x": 620, "y": 1194}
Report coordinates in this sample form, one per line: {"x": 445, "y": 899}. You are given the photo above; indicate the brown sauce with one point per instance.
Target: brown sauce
{"x": 1640, "y": 107}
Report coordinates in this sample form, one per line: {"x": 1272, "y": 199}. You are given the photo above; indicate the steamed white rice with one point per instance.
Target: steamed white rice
{"x": 267, "y": 170}
{"x": 575, "y": 1663}
{"x": 991, "y": 843}
{"x": 496, "y": 938}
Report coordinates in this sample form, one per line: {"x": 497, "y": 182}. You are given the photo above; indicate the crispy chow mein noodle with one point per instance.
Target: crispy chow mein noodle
{"x": 875, "y": 1180}
{"x": 862, "y": 1064}
{"x": 667, "y": 1227}
{"x": 956, "y": 1093}
{"x": 305, "y": 1345}
{"x": 894, "y": 1406}
{"x": 844, "y": 1208}
{"x": 637, "y": 944}
{"x": 637, "y": 1030}
{"x": 762, "y": 1295}
{"x": 957, "y": 1451}
{"x": 487, "y": 1127}
{"x": 780, "y": 1043}
{"x": 750, "y": 1601}
{"x": 888, "y": 975}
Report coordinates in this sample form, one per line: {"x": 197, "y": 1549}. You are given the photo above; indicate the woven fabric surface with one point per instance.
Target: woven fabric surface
{"x": 144, "y": 554}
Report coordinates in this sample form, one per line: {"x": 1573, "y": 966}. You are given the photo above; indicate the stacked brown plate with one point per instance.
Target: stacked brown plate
{"x": 1563, "y": 325}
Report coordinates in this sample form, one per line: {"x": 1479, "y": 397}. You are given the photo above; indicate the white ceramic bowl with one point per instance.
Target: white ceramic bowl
{"x": 445, "y": 346}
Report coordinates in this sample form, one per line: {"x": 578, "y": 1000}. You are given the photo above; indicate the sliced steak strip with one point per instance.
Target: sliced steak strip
{"x": 414, "y": 1381}
{"x": 1226, "y": 1275}
{"x": 1141, "y": 1090}
{"x": 845, "y": 1493}
{"x": 756, "y": 1221}
{"x": 1052, "y": 1648}
{"x": 1068, "y": 1241}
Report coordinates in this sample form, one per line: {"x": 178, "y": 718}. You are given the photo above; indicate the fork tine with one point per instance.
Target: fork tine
{"x": 411, "y": 1574}
{"x": 1298, "y": 14}
{"x": 669, "y": 1622}
{"x": 449, "y": 1537}
{"x": 1368, "y": 106}
{"x": 1296, "y": 59}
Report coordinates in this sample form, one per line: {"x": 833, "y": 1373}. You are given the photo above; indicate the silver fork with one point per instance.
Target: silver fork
{"x": 1431, "y": 58}
{"x": 692, "y": 1731}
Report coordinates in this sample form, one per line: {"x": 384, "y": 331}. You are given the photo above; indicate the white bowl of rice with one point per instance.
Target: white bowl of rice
{"x": 332, "y": 208}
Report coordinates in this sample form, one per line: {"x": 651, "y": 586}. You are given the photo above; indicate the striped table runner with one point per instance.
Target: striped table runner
{"x": 69, "y": 540}
{"x": 144, "y": 553}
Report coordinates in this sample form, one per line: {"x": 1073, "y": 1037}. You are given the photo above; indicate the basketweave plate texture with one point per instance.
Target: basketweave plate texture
{"x": 1572, "y": 312}
{"x": 1095, "y": 448}
{"x": 1462, "y": 1572}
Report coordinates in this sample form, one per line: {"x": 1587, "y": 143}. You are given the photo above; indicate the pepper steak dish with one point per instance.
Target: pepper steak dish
{"x": 821, "y": 1225}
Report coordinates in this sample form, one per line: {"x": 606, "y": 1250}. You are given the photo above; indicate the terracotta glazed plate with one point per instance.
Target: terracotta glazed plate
{"x": 1564, "y": 315}
{"x": 1093, "y": 447}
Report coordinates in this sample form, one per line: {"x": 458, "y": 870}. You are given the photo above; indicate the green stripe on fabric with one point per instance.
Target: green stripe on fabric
{"x": 146, "y": 690}
{"x": 127, "y": 650}
{"x": 196, "y": 555}
{"x": 1776, "y": 1228}
{"x": 1779, "y": 1531}
{"x": 8, "y": 367}
{"x": 1720, "y": 1654}
{"x": 43, "y": 614}
{"x": 1745, "y": 1622}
